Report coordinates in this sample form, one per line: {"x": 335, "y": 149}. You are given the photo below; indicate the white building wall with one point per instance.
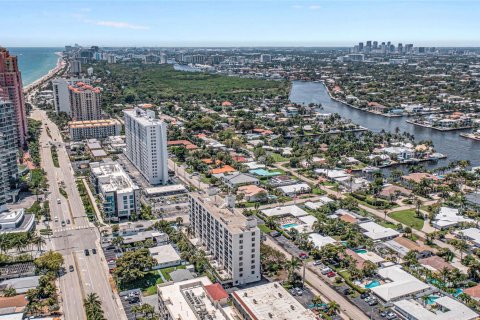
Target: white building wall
{"x": 61, "y": 96}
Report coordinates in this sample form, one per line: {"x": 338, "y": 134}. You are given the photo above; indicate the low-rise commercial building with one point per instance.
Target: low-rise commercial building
{"x": 119, "y": 194}
{"x": 12, "y": 221}
{"x": 98, "y": 129}
{"x": 269, "y": 301}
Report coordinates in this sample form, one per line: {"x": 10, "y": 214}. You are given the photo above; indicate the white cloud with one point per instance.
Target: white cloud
{"x": 314, "y": 7}
{"x": 118, "y": 24}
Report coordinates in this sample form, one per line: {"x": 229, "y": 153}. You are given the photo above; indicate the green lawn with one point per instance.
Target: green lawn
{"x": 407, "y": 217}
{"x": 166, "y": 271}
{"x": 278, "y": 157}
{"x": 264, "y": 228}
{"x": 318, "y": 191}
{"x": 147, "y": 284}
{"x": 387, "y": 224}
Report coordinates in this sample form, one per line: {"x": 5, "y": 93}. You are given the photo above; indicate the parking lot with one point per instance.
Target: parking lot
{"x": 130, "y": 299}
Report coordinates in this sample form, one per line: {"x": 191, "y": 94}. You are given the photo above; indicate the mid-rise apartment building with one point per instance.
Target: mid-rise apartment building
{"x": 8, "y": 151}
{"x": 232, "y": 239}
{"x": 85, "y": 101}
{"x": 146, "y": 141}
{"x": 61, "y": 94}
{"x": 94, "y": 129}
{"x": 120, "y": 195}
{"x": 11, "y": 83}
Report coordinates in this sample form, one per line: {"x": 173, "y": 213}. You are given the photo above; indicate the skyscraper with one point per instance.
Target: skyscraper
{"x": 8, "y": 150}
{"x": 11, "y": 83}
{"x": 146, "y": 140}
{"x": 85, "y": 101}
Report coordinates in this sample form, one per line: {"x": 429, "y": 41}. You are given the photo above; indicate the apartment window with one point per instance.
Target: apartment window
{"x": 241, "y": 275}
{"x": 241, "y": 241}
{"x": 252, "y": 267}
{"x": 253, "y": 272}
{"x": 241, "y": 253}
{"x": 241, "y": 247}
{"x": 253, "y": 256}
{"x": 241, "y": 269}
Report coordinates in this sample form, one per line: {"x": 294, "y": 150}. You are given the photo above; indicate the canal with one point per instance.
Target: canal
{"x": 448, "y": 143}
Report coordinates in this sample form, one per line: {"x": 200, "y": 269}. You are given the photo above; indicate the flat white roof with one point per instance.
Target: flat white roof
{"x": 471, "y": 233}
{"x": 165, "y": 189}
{"x": 399, "y": 283}
{"x": 320, "y": 241}
{"x": 451, "y": 309}
{"x": 332, "y": 174}
{"x": 449, "y": 217}
{"x": 284, "y": 211}
{"x": 175, "y": 298}
{"x": 272, "y": 299}
{"x": 164, "y": 254}
{"x": 377, "y": 232}
{"x": 295, "y": 188}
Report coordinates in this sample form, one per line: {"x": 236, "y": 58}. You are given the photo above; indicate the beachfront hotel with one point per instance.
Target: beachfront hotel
{"x": 11, "y": 83}
{"x": 231, "y": 240}
{"x": 146, "y": 144}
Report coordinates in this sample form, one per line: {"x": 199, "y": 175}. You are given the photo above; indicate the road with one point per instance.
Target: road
{"x": 90, "y": 272}
{"x": 347, "y": 309}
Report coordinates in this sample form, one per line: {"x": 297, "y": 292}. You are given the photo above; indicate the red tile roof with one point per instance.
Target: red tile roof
{"x": 216, "y": 291}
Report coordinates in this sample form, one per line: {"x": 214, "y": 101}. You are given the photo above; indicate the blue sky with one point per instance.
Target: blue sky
{"x": 239, "y": 23}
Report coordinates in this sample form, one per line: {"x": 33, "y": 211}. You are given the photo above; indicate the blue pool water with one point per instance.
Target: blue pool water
{"x": 264, "y": 173}
{"x": 289, "y": 225}
{"x": 432, "y": 299}
{"x": 372, "y": 284}
{"x": 361, "y": 251}
{"x": 458, "y": 292}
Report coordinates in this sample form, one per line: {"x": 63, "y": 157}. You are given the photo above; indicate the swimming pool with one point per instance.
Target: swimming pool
{"x": 289, "y": 225}
{"x": 458, "y": 292}
{"x": 264, "y": 173}
{"x": 432, "y": 299}
{"x": 361, "y": 251}
{"x": 372, "y": 284}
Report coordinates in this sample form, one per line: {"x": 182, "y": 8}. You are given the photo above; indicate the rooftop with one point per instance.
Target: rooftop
{"x": 144, "y": 117}
{"x": 399, "y": 284}
{"x": 231, "y": 217}
{"x": 376, "y": 231}
{"x": 93, "y": 123}
{"x": 164, "y": 254}
{"x": 189, "y": 299}
{"x": 111, "y": 177}
{"x": 447, "y": 309}
{"x": 292, "y": 210}
{"x": 271, "y": 301}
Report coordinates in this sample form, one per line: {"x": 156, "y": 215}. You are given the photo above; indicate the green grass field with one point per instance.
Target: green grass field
{"x": 407, "y": 217}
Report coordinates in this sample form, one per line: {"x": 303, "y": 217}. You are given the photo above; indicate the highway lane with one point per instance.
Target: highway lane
{"x": 90, "y": 273}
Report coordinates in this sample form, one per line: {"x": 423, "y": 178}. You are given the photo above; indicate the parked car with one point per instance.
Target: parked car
{"x": 293, "y": 292}
{"x": 346, "y": 291}
{"x": 94, "y": 251}
{"x": 373, "y": 302}
{"x": 326, "y": 270}
{"x": 331, "y": 274}
{"x": 303, "y": 255}
{"x": 63, "y": 223}
{"x": 299, "y": 291}
{"x": 383, "y": 314}
{"x": 87, "y": 253}
{"x": 364, "y": 295}
{"x": 391, "y": 316}
{"x": 274, "y": 234}
{"x": 317, "y": 263}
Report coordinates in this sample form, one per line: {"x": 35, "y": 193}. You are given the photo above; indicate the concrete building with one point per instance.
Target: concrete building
{"x": 269, "y": 301}
{"x": 146, "y": 139}
{"x": 85, "y": 101}
{"x": 12, "y": 221}
{"x": 97, "y": 129}
{"x": 120, "y": 195}
{"x": 75, "y": 67}
{"x": 8, "y": 152}
{"x": 61, "y": 95}
{"x": 443, "y": 308}
{"x": 231, "y": 240}
{"x": 265, "y": 58}
{"x": 166, "y": 256}
{"x": 193, "y": 299}
{"x": 11, "y": 83}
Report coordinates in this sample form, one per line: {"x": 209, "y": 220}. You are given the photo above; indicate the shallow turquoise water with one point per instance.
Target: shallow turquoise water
{"x": 35, "y": 62}
{"x": 372, "y": 284}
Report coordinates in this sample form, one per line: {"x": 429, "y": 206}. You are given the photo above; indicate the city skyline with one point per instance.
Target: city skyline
{"x": 262, "y": 23}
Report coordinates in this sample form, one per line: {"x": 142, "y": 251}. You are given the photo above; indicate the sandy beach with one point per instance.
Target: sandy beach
{"x": 60, "y": 65}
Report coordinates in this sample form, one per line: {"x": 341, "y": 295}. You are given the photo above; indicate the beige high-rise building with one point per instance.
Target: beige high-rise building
{"x": 85, "y": 101}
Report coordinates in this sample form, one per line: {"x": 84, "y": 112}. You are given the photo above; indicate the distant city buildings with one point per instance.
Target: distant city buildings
{"x": 265, "y": 58}
{"x": 146, "y": 144}
{"x": 11, "y": 83}
{"x": 231, "y": 238}
{"x": 75, "y": 67}
{"x": 390, "y": 48}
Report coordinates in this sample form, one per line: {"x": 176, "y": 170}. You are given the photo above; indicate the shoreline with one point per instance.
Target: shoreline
{"x": 436, "y": 128}
{"x": 52, "y": 72}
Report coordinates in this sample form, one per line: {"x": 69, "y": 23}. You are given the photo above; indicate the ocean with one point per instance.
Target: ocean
{"x": 35, "y": 62}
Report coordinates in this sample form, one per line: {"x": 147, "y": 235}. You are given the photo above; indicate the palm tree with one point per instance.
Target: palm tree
{"x": 333, "y": 308}
{"x": 93, "y": 307}
{"x": 292, "y": 265}
{"x": 39, "y": 243}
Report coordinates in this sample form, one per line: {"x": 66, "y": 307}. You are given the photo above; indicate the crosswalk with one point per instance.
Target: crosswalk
{"x": 71, "y": 228}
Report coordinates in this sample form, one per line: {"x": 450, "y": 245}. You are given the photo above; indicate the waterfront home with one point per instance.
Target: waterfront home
{"x": 332, "y": 174}
{"x": 390, "y": 192}
{"x": 435, "y": 263}
{"x": 402, "y": 246}
{"x": 282, "y": 180}
{"x": 399, "y": 153}
{"x": 473, "y": 200}
{"x": 412, "y": 179}
{"x": 448, "y": 217}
